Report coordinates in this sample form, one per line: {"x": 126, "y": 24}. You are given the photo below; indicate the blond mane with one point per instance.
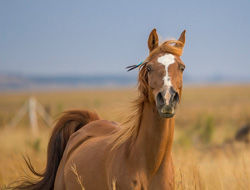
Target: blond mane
{"x": 130, "y": 128}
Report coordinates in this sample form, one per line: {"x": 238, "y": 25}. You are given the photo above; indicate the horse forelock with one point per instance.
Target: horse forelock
{"x": 174, "y": 47}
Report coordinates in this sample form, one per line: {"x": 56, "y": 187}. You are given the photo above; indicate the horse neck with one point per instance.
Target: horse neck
{"x": 154, "y": 141}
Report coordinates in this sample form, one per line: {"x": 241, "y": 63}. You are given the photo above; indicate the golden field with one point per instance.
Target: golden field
{"x": 205, "y": 154}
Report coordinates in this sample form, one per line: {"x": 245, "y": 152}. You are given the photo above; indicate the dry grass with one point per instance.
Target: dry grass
{"x": 78, "y": 177}
{"x": 113, "y": 184}
{"x": 207, "y": 117}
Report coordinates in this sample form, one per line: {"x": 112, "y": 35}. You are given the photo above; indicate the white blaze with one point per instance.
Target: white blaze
{"x": 166, "y": 60}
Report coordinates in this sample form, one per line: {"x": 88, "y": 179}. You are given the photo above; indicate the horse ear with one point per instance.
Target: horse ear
{"x": 182, "y": 38}
{"x": 153, "y": 40}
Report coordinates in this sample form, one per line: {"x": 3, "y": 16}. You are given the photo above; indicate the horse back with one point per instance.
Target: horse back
{"x": 93, "y": 130}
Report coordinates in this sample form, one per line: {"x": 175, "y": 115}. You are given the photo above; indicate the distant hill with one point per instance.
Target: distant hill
{"x": 13, "y": 82}
{"x": 20, "y": 82}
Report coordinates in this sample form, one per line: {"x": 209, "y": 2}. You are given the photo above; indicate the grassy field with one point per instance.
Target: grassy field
{"x": 205, "y": 154}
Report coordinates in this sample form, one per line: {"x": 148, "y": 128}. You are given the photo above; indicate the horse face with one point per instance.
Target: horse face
{"x": 164, "y": 76}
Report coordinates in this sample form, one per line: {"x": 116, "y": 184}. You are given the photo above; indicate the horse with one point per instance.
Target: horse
{"x": 86, "y": 152}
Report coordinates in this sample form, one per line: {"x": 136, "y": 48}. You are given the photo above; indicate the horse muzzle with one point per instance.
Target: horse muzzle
{"x": 166, "y": 102}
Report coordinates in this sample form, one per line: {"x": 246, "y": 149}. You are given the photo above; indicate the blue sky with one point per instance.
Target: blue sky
{"x": 80, "y": 37}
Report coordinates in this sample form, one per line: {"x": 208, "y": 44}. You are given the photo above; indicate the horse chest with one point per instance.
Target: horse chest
{"x": 131, "y": 184}
{"x": 138, "y": 179}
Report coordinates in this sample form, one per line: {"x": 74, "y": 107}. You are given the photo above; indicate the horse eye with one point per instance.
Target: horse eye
{"x": 149, "y": 68}
{"x": 182, "y": 67}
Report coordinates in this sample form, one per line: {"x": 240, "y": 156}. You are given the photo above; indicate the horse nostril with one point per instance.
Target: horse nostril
{"x": 176, "y": 97}
{"x": 160, "y": 99}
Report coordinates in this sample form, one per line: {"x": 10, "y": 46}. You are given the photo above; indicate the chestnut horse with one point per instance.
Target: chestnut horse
{"x": 87, "y": 152}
